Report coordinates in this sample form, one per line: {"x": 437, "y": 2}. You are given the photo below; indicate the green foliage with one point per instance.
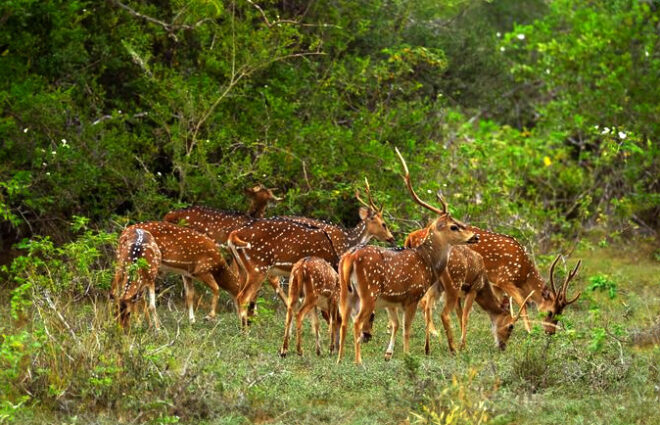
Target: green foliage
{"x": 603, "y": 282}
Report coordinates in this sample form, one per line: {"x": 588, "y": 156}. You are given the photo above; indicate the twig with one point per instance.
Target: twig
{"x": 170, "y": 28}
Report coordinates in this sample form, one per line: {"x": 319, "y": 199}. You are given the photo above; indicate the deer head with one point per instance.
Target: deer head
{"x": 260, "y": 197}
{"x": 372, "y": 216}
{"x": 444, "y": 230}
{"x": 554, "y": 302}
{"x": 504, "y": 322}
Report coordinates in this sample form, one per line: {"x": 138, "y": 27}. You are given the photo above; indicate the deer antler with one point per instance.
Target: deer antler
{"x": 406, "y": 179}
{"x": 560, "y": 297}
{"x": 357, "y": 196}
{"x": 441, "y": 198}
{"x": 522, "y": 306}
{"x": 378, "y": 208}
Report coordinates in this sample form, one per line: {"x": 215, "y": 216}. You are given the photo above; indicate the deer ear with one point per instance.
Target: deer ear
{"x": 441, "y": 222}
{"x": 364, "y": 213}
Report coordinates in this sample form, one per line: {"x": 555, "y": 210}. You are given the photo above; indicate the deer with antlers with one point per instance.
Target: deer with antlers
{"x": 317, "y": 283}
{"x": 464, "y": 277}
{"x": 511, "y": 270}
{"x": 374, "y": 277}
{"x": 271, "y": 246}
{"x": 166, "y": 246}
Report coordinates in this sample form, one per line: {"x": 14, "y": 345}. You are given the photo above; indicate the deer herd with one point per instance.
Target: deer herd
{"x": 332, "y": 269}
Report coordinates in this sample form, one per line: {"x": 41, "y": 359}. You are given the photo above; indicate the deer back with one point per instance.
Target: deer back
{"x": 279, "y": 243}
{"x": 395, "y": 274}
{"x": 184, "y": 250}
{"x": 214, "y": 223}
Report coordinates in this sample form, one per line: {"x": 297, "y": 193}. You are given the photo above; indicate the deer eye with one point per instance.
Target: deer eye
{"x": 384, "y": 226}
{"x": 454, "y": 228}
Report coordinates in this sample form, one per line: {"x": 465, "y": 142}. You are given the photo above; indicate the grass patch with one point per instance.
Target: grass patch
{"x": 75, "y": 366}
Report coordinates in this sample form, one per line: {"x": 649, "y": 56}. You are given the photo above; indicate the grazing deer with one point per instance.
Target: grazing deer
{"x": 464, "y": 277}
{"x": 138, "y": 259}
{"x": 317, "y": 283}
{"x": 271, "y": 247}
{"x": 374, "y": 277}
{"x": 182, "y": 251}
{"x": 511, "y": 270}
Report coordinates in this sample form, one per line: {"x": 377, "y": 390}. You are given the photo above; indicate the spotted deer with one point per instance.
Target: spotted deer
{"x": 511, "y": 270}
{"x": 182, "y": 251}
{"x": 138, "y": 259}
{"x": 464, "y": 278}
{"x": 373, "y": 277}
{"x": 317, "y": 283}
{"x": 271, "y": 247}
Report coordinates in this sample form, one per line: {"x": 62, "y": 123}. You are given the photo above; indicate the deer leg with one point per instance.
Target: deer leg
{"x": 408, "y": 316}
{"x": 152, "y": 306}
{"x": 345, "y": 305}
{"x": 292, "y": 303}
{"x": 209, "y": 280}
{"x": 469, "y": 299}
{"x": 189, "y": 290}
{"x": 248, "y": 293}
{"x": 316, "y": 327}
{"x": 427, "y": 303}
{"x": 366, "y": 308}
{"x": 450, "y": 304}
{"x": 394, "y": 327}
{"x": 459, "y": 313}
{"x": 308, "y": 304}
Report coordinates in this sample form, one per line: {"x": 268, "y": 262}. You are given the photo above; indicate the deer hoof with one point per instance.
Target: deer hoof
{"x": 366, "y": 337}
{"x": 388, "y": 357}
{"x": 209, "y": 318}
{"x": 283, "y": 353}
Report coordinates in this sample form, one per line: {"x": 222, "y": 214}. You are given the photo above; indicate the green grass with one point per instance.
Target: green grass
{"x": 213, "y": 373}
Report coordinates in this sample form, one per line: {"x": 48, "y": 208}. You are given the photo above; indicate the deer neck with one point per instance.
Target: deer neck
{"x": 227, "y": 279}
{"x": 435, "y": 254}
{"x": 488, "y": 301}
{"x": 257, "y": 209}
{"x": 358, "y": 235}
{"x": 536, "y": 283}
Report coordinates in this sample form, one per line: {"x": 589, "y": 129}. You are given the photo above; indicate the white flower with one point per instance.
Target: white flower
{"x": 547, "y": 71}
{"x": 502, "y": 49}
{"x": 520, "y": 36}
{"x": 606, "y": 130}
{"x": 64, "y": 141}
{"x": 43, "y": 164}
{"x": 646, "y": 53}
{"x": 622, "y": 135}
{"x": 48, "y": 173}
{"x": 428, "y": 190}
{"x": 498, "y": 34}
{"x": 25, "y": 130}
{"x": 119, "y": 112}
{"x": 158, "y": 174}
{"x": 54, "y": 152}
{"x": 596, "y": 126}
